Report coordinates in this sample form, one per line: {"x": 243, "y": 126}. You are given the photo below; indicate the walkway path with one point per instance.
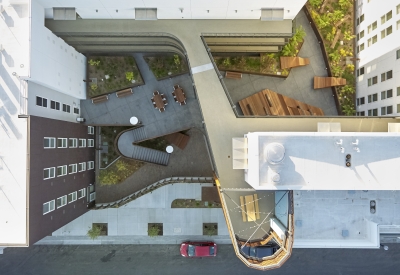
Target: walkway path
{"x": 299, "y": 83}
{"x": 133, "y": 218}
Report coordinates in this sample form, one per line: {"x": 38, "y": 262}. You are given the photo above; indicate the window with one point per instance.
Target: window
{"x": 48, "y": 207}
{"x": 398, "y": 9}
{"x": 360, "y": 101}
{"x": 386, "y": 110}
{"x": 383, "y": 111}
{"x": 369, "y": 28}
{"x": 49, "y": 142}
{"x": 90, "y": 142}
{"x": 387, "y": 94}
{"x": 383, "y": 34}
{"x": 374, "y": 39}
{"x": 90, "y": 130}
{"x": 383, "y": 19}
{"x": 61, "y": 170}
{"x": 81, "y": 193}
{"x": 40, "y": 101}
{"x": 389, "y": 74}
{"x": 90, "y": 165}
{"x": 397, "y": 54}
{"x": 398, "y": 91}
{"x": 383, "y": 77}
{"x": 72, "y": 168}
{"x": 386, "y": 32}
{"x": 372, "y": 80}
{"x": 362, "y": 71}
{"x": 386, "y": 17}
{"x": 82, "y": 166}
{"x": 372, "y": 98}
{"x": 398, "y": 25}
{"x": 73, "y": 142}
{"x": 362, "y": 113}
{"x": 361, "y": 34}
{"x": 61, "y": 143}
{"x": 49, "y": 173}
{"x": 61, "y": 201}
{"x": 66, "y": 108}
{"x": 361, "y": 18}
{"x": 362, "y": 47}
{"x": 76, "y": 111}
{"x": 374, "y": 25}
{"x": 72, "y": 197}
{"x": 398, "y": 108}
{"x": 369, "y": 42}
{"x": 373, "y": 112}
{"x": 383, "y": 95}
{"x": 92, "y": 196}
{"x": 54, "y": 105}
{"x": 82, "y": 142}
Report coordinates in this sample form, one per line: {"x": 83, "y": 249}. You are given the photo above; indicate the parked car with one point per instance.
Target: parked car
{"x": 259, "y": 252}
{"x": 198, "y": 249}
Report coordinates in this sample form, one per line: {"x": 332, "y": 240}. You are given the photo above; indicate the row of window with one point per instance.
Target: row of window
{"x": 64, "y": 200}
{"x": 384, "y": 76}
{"x": 55, "y": 105}
{"x": 386, "y": 17}
{"x": 50, "y": 142}
{"x": 374, "y": 97}
{"x": 361, "y": 70}
{"x": 63, "y": 170}
{"x": 386, "y": 110}
{"x": 360, "y": 19}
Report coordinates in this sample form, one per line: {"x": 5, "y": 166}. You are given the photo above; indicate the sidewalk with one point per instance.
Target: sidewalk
{"x": 128, "y": 224}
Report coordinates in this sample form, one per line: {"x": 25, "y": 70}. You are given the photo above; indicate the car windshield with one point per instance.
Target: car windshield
{"x": 191, "y": 249}
{"x": 212, "y": 250}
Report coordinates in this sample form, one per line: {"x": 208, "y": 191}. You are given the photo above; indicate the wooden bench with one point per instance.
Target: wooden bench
{"x": 233, "y": 75}
{"x": 100, "y": 99}
{"x": 292, "y": 62}
{"x": 257, "y": 208}
{"x": 325, "y": 82}
{"x": 124, "y": 92}
{"x": 242, "y": 208}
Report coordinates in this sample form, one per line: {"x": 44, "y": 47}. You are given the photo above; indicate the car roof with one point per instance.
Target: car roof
{"x": 202, "y": 251}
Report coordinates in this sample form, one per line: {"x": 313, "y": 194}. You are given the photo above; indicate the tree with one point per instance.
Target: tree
{"x": 348, "y": 109}
{"x": 153, "y": 231}
{"x": 94, "y": 232}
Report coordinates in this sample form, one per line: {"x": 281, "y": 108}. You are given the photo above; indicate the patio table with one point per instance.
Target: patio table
{"x": 159, "y": 101}
{"x": 251, "y": 215}
{"x": 180, "y": 95}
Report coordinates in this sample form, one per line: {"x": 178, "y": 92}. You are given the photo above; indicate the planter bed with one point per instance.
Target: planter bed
{"x": 166, "y": 65}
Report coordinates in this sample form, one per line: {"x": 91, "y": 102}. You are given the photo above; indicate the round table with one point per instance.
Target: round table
{"x": 134, "y": 120}
{"x": 169, "y": 149}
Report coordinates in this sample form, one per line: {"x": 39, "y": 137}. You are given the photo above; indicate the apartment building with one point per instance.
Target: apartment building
{"x": 378, "y": 58}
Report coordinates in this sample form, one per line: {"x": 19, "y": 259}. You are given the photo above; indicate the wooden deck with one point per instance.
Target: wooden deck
{"x": 178, "y": 139}
{"x": 270, "y": 103}
{"x": 292, "y": 62}
{"x": 325, "y": 82}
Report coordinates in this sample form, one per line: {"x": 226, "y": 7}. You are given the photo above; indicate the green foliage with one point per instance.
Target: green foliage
{"x": 334, "y": 57}
{"x": 118, "y": 172}
{"x": 315, "y": 3}
{"x": 153, "y": 231}
{"x": 335, "y": 16}
{"x": 226, "y": 62}
{"x": 94, "y": 62}
{"x": 93, "y": 87}
{"x": 348, "y": 109}
{"x": 94, "y": 232}
{"x": 177, "y": 60}
{"x": 337, "y": 71}
{"x": 291, "y": 48}
{"x": 210, "y": 230}
{"x": 129, "y": 76}
{"x": 348, "y": 36}
{"x": 344, "y": 4}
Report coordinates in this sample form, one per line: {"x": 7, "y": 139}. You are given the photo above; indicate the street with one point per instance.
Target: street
{"x": 165, "y": 259}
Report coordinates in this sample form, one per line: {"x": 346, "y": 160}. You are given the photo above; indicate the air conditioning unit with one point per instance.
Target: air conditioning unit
{"x": 92, "y": 196}
{"x": 80, "y": 119}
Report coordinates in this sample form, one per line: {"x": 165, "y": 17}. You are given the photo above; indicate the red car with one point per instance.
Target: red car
{"x": 198, "y": 249}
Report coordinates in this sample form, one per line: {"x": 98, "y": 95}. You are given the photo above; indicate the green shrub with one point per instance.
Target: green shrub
{"x": 315, "y": 3}
{"x": 153, "y": 231}
{"x": 94, "y": 232}
{"x": 94, "y": 62}
{"x": 93, "y": 87}
{"x": 177, "y": 60}
{"x": 129, "y": 76}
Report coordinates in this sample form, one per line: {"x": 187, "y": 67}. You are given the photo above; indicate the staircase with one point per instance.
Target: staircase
{"x": 150, "y": 155}
{"x": 139, "y": 134}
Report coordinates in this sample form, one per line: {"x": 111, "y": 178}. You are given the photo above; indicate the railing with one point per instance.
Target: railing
{"x": 278, "y": 35}
{"x": 23, "y": 97}
{"x": 151, "y": 188}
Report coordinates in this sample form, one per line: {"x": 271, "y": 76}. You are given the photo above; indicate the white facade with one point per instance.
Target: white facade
{"x": 175, "y": 9}
{"x": 378, "y": 50}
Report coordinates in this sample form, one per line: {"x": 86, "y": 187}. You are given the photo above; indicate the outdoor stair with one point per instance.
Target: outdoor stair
{"x": 139, "y": 134}
{"x": 150, "y": 155}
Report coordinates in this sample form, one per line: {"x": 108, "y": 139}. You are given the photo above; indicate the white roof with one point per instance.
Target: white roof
{"x": 13, "y": 131}
{"x": 317, "y": 161}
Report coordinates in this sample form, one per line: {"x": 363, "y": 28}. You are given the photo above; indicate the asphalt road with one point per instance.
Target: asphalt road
{"x": 165, "y": 259}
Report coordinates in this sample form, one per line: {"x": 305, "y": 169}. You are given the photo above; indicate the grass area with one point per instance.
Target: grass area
{"x": 119, "y": 171}
{"x": 108, "y": 135}
{"x": 113, "y": 73}
{"x": 166, "y": 65}
{"x": 334, "y": 20}
{"x": 265, "y": 63}
{"x": 156, "y": 143}
{"x": 191, "y": 203}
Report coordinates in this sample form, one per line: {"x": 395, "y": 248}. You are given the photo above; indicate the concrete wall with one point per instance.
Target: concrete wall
{"x": 38, "y": 90}
{"x": 379, "y": 57}
{"x": 55, "y": 64}
{"x": 177, "y": 9}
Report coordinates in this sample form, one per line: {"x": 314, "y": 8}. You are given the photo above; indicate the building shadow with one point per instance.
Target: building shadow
{"x": 7, "y": 19}
{"x": 22, "y": 10}
{"x": 7, "y": 103}
{"x": 7, "y": 119}
{"x": 8, "y": 58}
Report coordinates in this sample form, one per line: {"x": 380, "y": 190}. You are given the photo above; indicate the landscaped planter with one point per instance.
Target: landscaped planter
{"x": 210, "y": 229}
{"x": 155, "y": 229}
{"x": 98, "y": 229}
{"x": 107, "y": 74}
{"x": 191, "y": 203}
{"x": 166, "y": 65}
{"x": 333, "y": 22}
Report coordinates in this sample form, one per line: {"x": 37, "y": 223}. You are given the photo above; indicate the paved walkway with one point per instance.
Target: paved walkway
{"x": 299, "y": 83}
{"x": 192, "y": 161}
{"x": 118, "y": 111}
{"x": 133, "y": 218}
